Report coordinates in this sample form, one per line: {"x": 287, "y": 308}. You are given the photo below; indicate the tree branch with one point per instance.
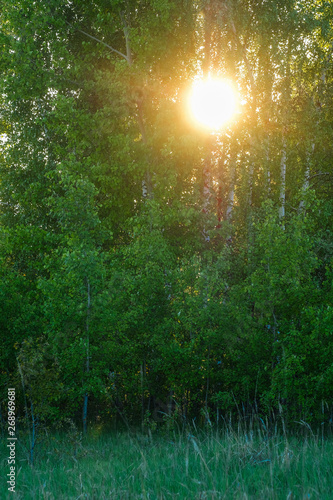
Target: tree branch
{"x": 320, "y": 173}
{"x": 127, "y": 40}
{"x": 100, "y": 41}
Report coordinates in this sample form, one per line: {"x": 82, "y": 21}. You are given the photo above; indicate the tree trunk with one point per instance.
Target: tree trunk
{"x": 206, "y": 190}
{"x": 283, "y": 169}
{"x": 306, "y": 183}
{"x": 251, "y": 169}
{"x": 207, "y": 40}
{"x": 142, "y": 380}
{"x": 268, "y": 172}
{"x": 85, "y": 399}
{"x": 231, "y": 195}
{"x": 146, "y": 182}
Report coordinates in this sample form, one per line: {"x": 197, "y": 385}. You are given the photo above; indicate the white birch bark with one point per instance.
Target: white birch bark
{"x": 206, "y": 191}
{"x": 268, "y": 172}
{"x": 206, "y": 185}
{"x": 251, "y": 169}
{"x": 283, "y": 170}
{"x": 306, "y": 182}
{"x": 231, "y": 195}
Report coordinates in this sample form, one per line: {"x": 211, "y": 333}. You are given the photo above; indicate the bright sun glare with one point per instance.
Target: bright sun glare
{"x": 212, "y": 103}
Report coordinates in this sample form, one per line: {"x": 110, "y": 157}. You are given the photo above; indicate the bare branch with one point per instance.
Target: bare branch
{"x": 127, "y": 39}
{"x": 100, "y": 41}
{"x": 320, "y": 173}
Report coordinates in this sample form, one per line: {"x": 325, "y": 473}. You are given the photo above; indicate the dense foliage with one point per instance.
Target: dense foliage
{"x": 149, "y": 267}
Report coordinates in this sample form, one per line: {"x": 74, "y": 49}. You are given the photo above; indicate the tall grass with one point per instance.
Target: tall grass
{"x": 228, "y": 464}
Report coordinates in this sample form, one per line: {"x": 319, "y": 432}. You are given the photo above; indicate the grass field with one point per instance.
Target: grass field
{"x": 188, "y": 465}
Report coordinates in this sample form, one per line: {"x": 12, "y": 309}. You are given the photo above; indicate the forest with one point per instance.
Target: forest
{"x": 153, "y": 270}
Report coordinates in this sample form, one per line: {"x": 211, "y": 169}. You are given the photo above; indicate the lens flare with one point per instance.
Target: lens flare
{"x": 212, "y": 103}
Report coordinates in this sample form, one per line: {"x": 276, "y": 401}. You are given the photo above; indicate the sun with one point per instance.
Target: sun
{"x": 212, "y": 103}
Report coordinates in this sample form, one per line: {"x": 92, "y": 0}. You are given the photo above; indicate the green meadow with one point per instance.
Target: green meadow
{"x": 225, "y": 464}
